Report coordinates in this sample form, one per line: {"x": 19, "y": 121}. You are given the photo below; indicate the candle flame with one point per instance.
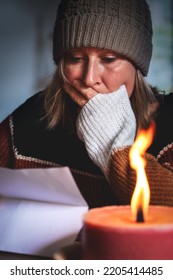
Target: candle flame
{"x": 141, "y": 195}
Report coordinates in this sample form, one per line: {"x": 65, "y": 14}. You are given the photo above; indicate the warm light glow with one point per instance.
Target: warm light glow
{"x": 141, "y": 195}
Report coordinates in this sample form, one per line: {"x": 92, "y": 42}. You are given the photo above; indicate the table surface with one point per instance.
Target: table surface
{"x": 71, "y": 252}
{"x": 16, "y": 256}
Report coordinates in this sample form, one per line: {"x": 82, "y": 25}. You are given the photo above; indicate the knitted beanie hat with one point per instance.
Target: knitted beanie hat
{"x": 123, "y": 26}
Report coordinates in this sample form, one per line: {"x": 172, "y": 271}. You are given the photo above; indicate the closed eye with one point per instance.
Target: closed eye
{"x": 108, "y": 59}
{"x": 73, "y": 59}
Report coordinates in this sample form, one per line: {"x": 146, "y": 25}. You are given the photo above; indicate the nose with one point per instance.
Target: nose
{"x": 91, "y": 75}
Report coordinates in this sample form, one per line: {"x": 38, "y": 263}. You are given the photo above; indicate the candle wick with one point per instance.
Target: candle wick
{"x": 140, "y": 216}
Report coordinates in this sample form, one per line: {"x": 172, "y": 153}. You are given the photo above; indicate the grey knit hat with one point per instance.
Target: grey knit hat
{"x": 123, "y": 26}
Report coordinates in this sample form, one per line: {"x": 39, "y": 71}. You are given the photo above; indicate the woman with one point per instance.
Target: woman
{"x": 98, "y": 99}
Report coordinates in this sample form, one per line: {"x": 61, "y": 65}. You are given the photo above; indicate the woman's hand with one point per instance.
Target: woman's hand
{"x": 79, "y": 93}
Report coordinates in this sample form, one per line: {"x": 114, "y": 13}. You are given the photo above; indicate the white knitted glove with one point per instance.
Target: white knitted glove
{"x": 106, "y": 122}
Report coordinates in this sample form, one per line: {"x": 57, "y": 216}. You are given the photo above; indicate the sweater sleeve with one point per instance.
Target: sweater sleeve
{"x": 6, "y": 153}
{"x": 122, "y": 178}
{"x": 106, "y": 122}
{"x": 107, "y": 127}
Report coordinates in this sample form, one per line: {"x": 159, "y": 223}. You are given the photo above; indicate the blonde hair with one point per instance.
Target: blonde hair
{"x": 60, "y": 109}
{"x": 144, "y": 101}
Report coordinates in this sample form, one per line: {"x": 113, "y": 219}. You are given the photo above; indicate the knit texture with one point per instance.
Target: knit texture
{"x": 94, "y": 188}
{"x": 119, "y": 25}
{"x": 5, "y": 144}
{"x": 119, "y": 170}
{"x": 105, "y": 123}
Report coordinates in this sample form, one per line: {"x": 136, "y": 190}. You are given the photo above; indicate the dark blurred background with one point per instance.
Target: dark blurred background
{"x": 26, "y": 63}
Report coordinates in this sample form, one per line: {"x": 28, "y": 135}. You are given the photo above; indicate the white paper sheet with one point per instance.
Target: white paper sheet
{"x": 40, "y": 210}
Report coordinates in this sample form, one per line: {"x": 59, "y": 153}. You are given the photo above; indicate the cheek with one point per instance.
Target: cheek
{"x": 112, "y": 80}
{"x": 130, "y": 81}
{"x": 72, "y": 73}
{"x": 123, "y": 75}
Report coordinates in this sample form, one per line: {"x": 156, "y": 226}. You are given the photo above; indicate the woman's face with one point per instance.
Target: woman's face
{"x": 95, "y": 70}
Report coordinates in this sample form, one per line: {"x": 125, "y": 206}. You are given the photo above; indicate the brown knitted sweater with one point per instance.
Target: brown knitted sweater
{"x": 26, "y": 143}
{"x": 122, "y": 178}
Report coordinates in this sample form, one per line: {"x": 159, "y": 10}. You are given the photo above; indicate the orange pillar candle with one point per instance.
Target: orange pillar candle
{"x": 111, "y": 233}
{"x": 131, "y": 233}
